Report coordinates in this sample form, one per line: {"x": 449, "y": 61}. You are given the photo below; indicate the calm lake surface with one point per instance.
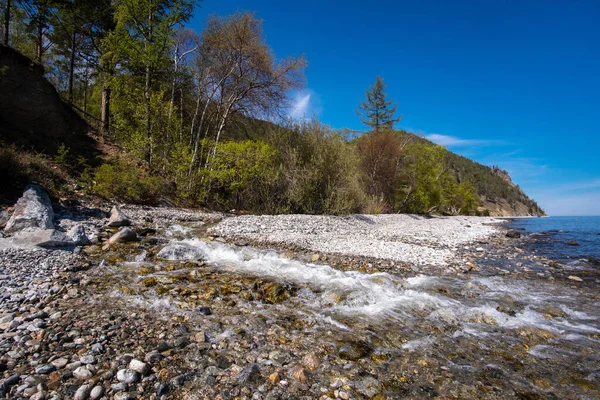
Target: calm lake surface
{"x": 551, "y": 236}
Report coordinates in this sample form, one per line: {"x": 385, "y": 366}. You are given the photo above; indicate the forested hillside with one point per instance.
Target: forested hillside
{"x": 185, "y": 112}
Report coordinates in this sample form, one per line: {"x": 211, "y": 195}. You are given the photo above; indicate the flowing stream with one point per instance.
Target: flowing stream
{"x": 534, "y": 337}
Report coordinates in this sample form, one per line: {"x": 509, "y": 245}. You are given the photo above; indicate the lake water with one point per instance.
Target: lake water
{"x": 551, "y": 236}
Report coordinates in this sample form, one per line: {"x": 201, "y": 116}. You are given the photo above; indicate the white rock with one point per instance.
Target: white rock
{"x": 139, "y": 366}
{"x": 82, "y": 373}
{"x": 83, "y": 393}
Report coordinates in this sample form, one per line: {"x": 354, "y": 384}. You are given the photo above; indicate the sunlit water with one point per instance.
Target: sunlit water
{"x": 465, "y": 323}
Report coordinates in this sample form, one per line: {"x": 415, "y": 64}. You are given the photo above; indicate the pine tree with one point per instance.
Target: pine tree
{"x": 375, "y": 111}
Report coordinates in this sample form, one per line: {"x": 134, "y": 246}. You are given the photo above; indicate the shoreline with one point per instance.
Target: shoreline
{"x": 74, "y": 323}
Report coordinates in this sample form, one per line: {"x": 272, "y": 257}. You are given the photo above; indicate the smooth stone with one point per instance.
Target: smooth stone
{"x": 139, "y": 366}
{"x": 97, "y": 392}
{"x": 87, "y": 359}
{"x": 125, "y": 235}
{"x": 128, "y": 376}
{"x": 59, "y": 363}
{"x": 153, "y": 357}
{"x": 83, "y": 393}
{"x": 82, "y": 373}
{"x": 42, "y": 238}
{"x": 575, "y": 278}
{"x": 44, "y": 369}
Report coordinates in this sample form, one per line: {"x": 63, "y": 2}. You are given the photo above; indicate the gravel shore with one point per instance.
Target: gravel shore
{"x": 120, "y": 322}
{"x": 410, "y": 239}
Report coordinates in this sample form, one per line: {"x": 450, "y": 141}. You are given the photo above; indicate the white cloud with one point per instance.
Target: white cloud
{"x": 301, "y": 107}
{"x": 453, "y": 141}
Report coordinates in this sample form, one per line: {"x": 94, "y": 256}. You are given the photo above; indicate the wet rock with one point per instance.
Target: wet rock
{"x": 33, "y": 211}
{"x": 149, "y": 282}
{"x": 274, "y": 378}
{"x": 368, "y": 386}
{"x": 249, "y": 374}
{"x": 139, "y": 366}
{"x": 513, "y": 234}
{"x": 83, "y": 393}
{"x": 311, "y": 361}
{"x": 117, "y": 218}
{"x": 162, "y": 389}
{"x": 180, "y": 251}
{"x": 146, "y": 231}
{"x": 573, "y": 243}
{"x": 204, "y": 311}
{"x": 123, "y": 236}
{"x": 4, "y": 218}
{"x": 275, "y": 292}
{"x": 354, "y": 350}
{"x": 299, "y": 374}
{"x": 128, "y": 376}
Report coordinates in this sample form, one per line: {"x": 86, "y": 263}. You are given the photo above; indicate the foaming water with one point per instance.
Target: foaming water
{"x": 383, "y": 298}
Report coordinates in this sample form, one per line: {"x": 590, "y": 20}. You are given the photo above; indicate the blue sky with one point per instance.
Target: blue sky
{"x": 504, "y": 82}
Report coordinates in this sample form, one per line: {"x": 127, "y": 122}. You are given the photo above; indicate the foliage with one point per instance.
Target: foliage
{"x": 375, "y": 111}
{"x": 125, "y": 180}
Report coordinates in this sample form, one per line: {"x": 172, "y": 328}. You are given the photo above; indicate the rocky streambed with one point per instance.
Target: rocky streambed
{"x": 184, "y": 312}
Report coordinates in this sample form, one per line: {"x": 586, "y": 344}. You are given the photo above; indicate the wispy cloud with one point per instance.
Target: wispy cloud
{"x": 306, "y": 104}
{"x": 301, "y": 106}
{"x": 453, "y": 141}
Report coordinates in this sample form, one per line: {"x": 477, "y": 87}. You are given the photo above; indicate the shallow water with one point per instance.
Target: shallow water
{"x": 527, "y": 336}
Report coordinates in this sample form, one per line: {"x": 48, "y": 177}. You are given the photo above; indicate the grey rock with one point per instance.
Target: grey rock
{"x": 97, "y": 392}
{"x": 139, "y": 366}
{"x": 3, "y": 218}
{"x": 82, "y": 373}
{"x": 123, "y": 236}
{"x": 117, "y": 218}
{"x": 354, "y": 350}
{"x": 97, "y": 348}
{"x": 513, "y": 234}
{"x": 59, "y": 363}
{"x": 368, "y": 386}
{"x": 42, "y": 238}
{"x": 78, "y": 236}
{"x": 128, "y": 376}
{"x": 87, "y": 359}
{"x": 83, "y": 393}
{"x": 249, "y": 374}
{"x": 44, "y": 369}
{"x": 40, "y": 395}
{"x": 33, "y": 211}
{"x": 122, "y": 396}
{"x": 153, "y": 357}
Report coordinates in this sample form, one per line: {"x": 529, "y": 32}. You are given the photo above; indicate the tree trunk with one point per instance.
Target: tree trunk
{"x": 105, "y": 108}
{"x": 72, "y": 67}
{"x": 147, "y": 90}
{"x": 6, "y": 22}
{"x": 40, "y": 38}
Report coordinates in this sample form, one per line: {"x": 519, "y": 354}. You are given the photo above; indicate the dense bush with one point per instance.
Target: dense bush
{"x": 126, "y": 180}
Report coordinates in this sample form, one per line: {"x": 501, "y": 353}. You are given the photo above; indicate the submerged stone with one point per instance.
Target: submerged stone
{"x": 353, "y": 351}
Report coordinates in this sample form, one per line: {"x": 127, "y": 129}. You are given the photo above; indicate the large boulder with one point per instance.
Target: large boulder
{"x": 117, "y": 218}
{"x": 33, "y": 211}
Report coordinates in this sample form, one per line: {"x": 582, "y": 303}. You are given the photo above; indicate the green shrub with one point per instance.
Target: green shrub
{"x": 124, "y": 180}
